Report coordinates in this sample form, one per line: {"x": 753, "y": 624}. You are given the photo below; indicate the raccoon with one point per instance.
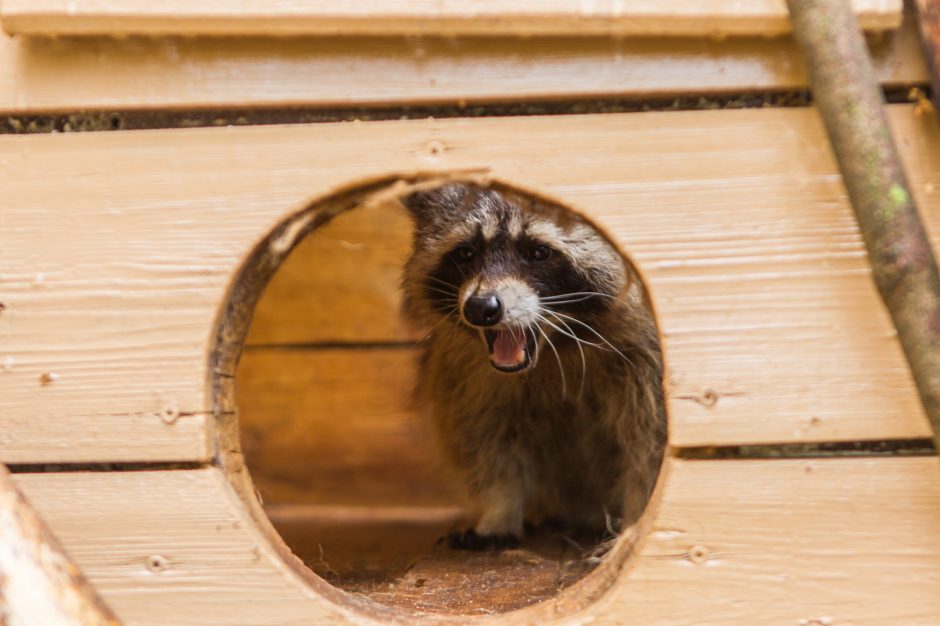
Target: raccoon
{"x": 541, "y": 370}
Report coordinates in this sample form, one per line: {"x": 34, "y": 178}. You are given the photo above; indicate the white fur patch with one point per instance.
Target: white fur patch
{"x": 520, "y": 302}
{"x": 502, "y": 512}
{"x": 546, "y": 232}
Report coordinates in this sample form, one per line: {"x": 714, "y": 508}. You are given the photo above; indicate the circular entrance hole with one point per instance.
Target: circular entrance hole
{"x": 316, "y": 367}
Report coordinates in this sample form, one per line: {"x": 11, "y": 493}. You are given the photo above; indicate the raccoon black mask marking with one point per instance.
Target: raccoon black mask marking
{"x": 574, "y": 433}
{"x": 507, "y": 275}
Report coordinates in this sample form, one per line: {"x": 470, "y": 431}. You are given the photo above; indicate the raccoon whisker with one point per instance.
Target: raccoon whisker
{"x": 598, "y": 335}
{"x": 452, "y": 294}
{"x": 578, "y": 342}
{"x": 586, "y": 294}
{"x": 447, "y": 315}
{"x": 561, "y": 368}
{"x": 441, "y": 281}
{"x": 582, "y": 299}
{"x": 609, "y": 346}
{"x": 570, "y": 335}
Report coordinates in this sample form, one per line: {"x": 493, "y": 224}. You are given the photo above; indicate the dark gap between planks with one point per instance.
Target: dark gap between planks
{"x": 874, "y": 448}
{"x": 134, "y": 466}
{"x": 103, "y": 120}
{"x": 880, "y": 447}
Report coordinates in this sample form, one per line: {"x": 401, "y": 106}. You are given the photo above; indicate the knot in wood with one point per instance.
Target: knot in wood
{"x": 47, "y": 378}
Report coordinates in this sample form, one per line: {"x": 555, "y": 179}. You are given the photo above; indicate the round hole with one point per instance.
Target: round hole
{"x": 319, "y": 359}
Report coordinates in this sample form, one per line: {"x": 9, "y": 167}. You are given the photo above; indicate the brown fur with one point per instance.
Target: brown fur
{"x": 523, "y": 445}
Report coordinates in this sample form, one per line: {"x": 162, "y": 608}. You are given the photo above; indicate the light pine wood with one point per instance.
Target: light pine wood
{"x": 76, "y": 437}
{"x": 438, "y": 17}
{"x": 117, "y": 249}
{"x": 841, "y": 541}
{"x": 62, "y": 74}
{"x": 337, "y": 426}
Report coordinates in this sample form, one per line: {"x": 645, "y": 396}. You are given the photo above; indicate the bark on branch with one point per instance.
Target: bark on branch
{"x": 38, "y": 582}
{"x": 903, "y": 266}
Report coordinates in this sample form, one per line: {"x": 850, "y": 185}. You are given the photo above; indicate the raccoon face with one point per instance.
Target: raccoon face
{"x": 515, "y": 277}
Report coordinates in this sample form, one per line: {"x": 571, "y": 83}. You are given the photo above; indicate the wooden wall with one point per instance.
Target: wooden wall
{"x": 324, "y": 384}
{"x": 737, "y": 219}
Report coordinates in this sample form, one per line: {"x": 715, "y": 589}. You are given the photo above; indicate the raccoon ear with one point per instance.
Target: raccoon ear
{"x": 434, "y": 204}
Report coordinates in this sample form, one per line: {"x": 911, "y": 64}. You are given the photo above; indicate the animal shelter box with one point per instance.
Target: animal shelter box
{"x": 120, "y": 251}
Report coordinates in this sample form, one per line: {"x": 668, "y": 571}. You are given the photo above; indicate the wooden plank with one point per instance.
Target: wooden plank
{"x": 61, "y": 436}
{"x": 769, "y": 542}
{"x": 181, "y": 549}
{"x": 118, "y": 248}
{"x": 416, "y": 17}
{"x": 66, "y": 74}
{"x": 306, "y": 287}
{"x": 338, "y": 427}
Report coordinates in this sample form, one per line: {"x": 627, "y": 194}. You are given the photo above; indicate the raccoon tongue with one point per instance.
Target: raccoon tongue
{"x": 509, "y": 348}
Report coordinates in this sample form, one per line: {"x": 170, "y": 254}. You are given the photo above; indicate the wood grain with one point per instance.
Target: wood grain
{"x": 62, "y": 74}
{"x": 66, "y": 74}
{"x": 411, "y": 17}
{"x": 117, "y": 249}
{"x": 337, "y": 426}
{"x": 769, "y": 542}
{"x": 341, "y": 284}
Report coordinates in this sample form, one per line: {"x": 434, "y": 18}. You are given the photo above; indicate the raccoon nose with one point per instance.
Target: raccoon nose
{"x": 484, "y": 310}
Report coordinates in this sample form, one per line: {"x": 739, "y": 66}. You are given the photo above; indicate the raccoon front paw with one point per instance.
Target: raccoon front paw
{"x": 471, "y": 540}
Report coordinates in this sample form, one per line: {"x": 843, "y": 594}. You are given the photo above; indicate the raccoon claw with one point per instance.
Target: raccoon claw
{"x": 471, "y": 540}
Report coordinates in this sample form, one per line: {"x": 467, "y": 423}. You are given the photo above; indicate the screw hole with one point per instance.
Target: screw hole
{"x": 435, "y": 148}
{"x": 169, "y": 414}
{"x": 157, "y": 563}
{"x": 698, "y": 554}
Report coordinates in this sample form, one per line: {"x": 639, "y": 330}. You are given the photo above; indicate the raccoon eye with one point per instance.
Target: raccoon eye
{"x": 463, "y": 254}
{"x": 539, "y": 252}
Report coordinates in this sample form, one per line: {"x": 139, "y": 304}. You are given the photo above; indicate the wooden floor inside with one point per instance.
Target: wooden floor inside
{"x": 405, "y": 562}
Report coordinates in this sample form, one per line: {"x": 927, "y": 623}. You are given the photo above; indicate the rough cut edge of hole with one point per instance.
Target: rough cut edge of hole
{"x": 231, "y": 327}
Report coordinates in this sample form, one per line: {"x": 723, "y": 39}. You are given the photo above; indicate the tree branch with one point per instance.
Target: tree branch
{"x": 38, "y": 582}
{"x": 903, "y": 266}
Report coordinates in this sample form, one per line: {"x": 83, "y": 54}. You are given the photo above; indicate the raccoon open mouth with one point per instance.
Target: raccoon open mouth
{"x": 511, "y": 350}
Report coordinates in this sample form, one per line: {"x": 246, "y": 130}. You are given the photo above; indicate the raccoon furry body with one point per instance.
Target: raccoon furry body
{"x": 542, "y": 370}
